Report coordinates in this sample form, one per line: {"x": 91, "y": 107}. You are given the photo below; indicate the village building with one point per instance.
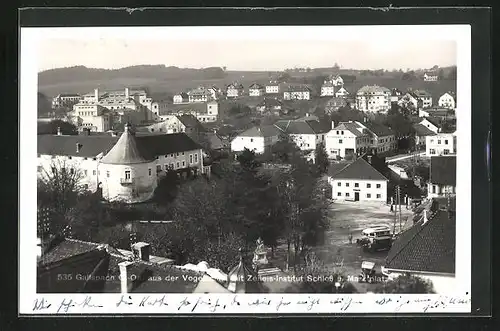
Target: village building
{"x": 256, "y": 90}
{"x": 341, "y": 93}
{"x": 334, "y": 104}
{"x": 439, "y": 113}
{"x": 186, "y": 123}
{"x": 100, "y": 268}
{"x": 396, "y": 95}
{"x": 335, "y": 80}
{"x": 200, "y": 95}
{"x": 327, "y": 89}
{"x": 125, "y": 167}
{"x": 295, "y": 92}
{"x": 442, "y": 143}
{"x": 65, "y": 100}
{"x": 306, "y": 132}
{"x": 430, "y": 77}
{"x": 181, "y": 98}
{"x": 447, "y": 100}
{"x": 410, "y": 101}
{"x": 373, "y": 98}
{"x": 427, "y": 250}
{"x": 273, "y": 87}
{"x": 234, "y": 90}
{"x": 421, "y": 134}
{"x": 443, "y": 176}
{"x": 269, "y": 105}
{"x": 425, "y": 96}
{"x": 207, "y": 112}
{"x": 357, "y": 181}
{"x": 382, "y": 139}
{"x": 257, "y": 139}
{"x": 215, "y": 92}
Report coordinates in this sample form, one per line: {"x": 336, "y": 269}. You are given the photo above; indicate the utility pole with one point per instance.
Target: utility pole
{"x": 395, "y": 211}
{"x": 399, "y": 206}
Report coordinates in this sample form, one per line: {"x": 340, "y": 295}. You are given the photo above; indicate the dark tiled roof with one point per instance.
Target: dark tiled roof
{"x": 93, "y": 145}
{"x": 127, "y": 151}
{"x": 443, "y": 170}
{"x": 351, "y": 127}
{"x": 200, "y": 107}
{"x": 298, "y": 88}
{"x": 335, "y": 168}
{"x": 428, "y": 247}
{"x": 256, "y": 86}
{"x": 359, "y": 169}
{"x": 191, "y": 122}
{"x": 66, "y": 249}
{"x": 422, "y": 130}
{"x": 422, "y": 93}
{"x": 378, "y": 129}
{"x": 261, "y": 131}
{"x": 434, "y": 120}
{"x": 301, "y": 126}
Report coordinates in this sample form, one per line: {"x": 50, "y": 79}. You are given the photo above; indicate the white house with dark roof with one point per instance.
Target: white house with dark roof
{"x": 447, "y": 100}
{"x": 425, "y": 96}
{"x": 373, "y": 98}
{"x": 207, "y": 112}
{"x": 396, "y": 95}
{"x": 327, "y": 89}
{"x": 346, "y": 138}
{"x": 234, "y": 90}
{"x": 430, "y": 77}
{"x": 297, "y": 92}
{"x": 357, "y": 181}
{"x": 382, "y": 138}
{"x": 421, "y": 134}
{"x": 307, "y": 132}
{"x": 127, "y": 167}
{"x": 410, "y": 101}
{"x": 273, "y": 87}
{"x": 65, "y": 99}
{"x": 199, "y": 94}
{"x": 443, "y": 176}
{"x": 256, "y": 90}
{"x": 442, "y": 143}
{"x": 431, "y": 124}
{"x": 335, "y": 80}
{"x": 427, "y": 250}
{"x": 180, "y": 98}
{"x": 256, "y": 139}
{"x": 341, "y": 93}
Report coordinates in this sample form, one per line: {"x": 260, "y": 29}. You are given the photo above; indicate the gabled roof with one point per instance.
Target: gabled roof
{"x": 422, "y": 130}
{"x": 378, "y": 129}
{"x": 235, "y": 86}
{"x": 270, "y": 102}
{"x": 434, "y": 120}
{"x": 244, "y": 279}
{"x": 428, "y": 247}
{"x": 298, "y": 88}
{"x": 396, "y": 92}
{"x": 422, "y": 93}
{"x": 261, "y": 131}
{"x": 343, "y": 90}
{"x": 351, "y": 127}
{"x": 190, "y": 121}
{"x": 126, "y": 151}
{"x": 359, "y": 169}
{"x": 373, "y": 89}
{"x": 301, "y": 126}
{"x": 443, "y": 170}
{"x": 256, "y": 86}
{"x": 184, "y": 95}
{"x": 95, "y": 144}
{"x": 187, "y": 108}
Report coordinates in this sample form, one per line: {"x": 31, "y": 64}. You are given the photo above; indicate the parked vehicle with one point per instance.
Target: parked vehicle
{"x": 367, "y": 272}
{"x": 376, "y": 238}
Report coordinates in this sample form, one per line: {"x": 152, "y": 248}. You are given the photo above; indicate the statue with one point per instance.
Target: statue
{"x": 260, "y": 245}
{"x": 260, "y": 254}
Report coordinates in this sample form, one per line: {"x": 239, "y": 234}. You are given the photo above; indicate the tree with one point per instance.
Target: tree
{"x": 53, "y": 126}
{"x": 321, "y": 159}
{"x": 58, "y": 190}
{"x": 406, "y": 284}
{"x": 44, "y": 104}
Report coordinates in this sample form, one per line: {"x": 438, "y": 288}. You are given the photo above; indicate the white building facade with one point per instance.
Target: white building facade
{"x": 373, "y": 99}
{"x": 447, "y": 100}
{"x": 327, "y": 90}
{"x": 441, "y": 144}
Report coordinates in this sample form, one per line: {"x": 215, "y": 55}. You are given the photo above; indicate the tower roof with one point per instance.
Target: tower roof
{"x": 126, "y": 150}
{"x": 243, "y": 279}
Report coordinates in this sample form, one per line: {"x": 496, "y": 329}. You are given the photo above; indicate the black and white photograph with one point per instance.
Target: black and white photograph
{"x": 258, "y": 161}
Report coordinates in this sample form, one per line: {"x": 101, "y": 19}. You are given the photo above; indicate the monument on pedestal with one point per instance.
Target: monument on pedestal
{"x": 260, "y": 262}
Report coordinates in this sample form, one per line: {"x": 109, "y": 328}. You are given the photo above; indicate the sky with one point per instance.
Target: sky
{"x": 245, "y": 53}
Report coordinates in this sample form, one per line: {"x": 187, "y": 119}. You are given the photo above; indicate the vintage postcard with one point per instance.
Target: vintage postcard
{"x": 245, "y": 169}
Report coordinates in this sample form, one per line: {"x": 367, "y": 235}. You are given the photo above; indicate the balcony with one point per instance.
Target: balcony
{"x": 126, "y": 181}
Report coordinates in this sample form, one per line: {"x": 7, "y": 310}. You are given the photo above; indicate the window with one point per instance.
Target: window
{"x": 368, "y": 195}
{"x": 446, "y": 142}
{"x": 182, "y": 153}
{"x": 337, "y": 132}
{"x": 433, "y": 188}
{"x": 251, "y": 140}
{"x": 190, "y": 158}
{"x": 347, "y": 194}
{"x": 339, "y": 184}
{"x": 177, "y": 154}
{"x": 158, "y": 168}
{"x": 107, "y": 174}
{"x": 183, "y": 164}
{"x": 368, "y": 185}
{"x": 446, "y": 151}
{"x": 172, "y": 166}
{"x": 439, "y": 141}
{"x": 339, "y": 194}
{"x": 72, "y": 171}
{"x": 356, "y": 184}
{"x": 378, "y": 185}
{"x": 172, "y": 155}
{"x": 196, "y": 158}
{"x": 346, "y": 184}
{"x": 69, "y": 157}
{"x": 93, "y": 172}
{"x": 127, "y": 174}
{"x": 378, "y": 196}
{"x": 149, "y": 171}
{"x": 340, "y": 141}
{"x": 177, "y": 165}
{"x": 342, "y": 132}
{"x": 432, "y": 151}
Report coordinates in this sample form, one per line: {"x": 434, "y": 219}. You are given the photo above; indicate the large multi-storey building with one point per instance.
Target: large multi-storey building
{"x": 441, "y": 144}
{"x": 126, "y": 167}
{"x": 373, "y": 98}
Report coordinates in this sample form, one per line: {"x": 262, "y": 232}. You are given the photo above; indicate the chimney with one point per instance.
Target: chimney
{"x": 141, "y": 250}
{"x": 96, "y": 94}
{"x": 369, "y": 159}
{"x": 127, "y": 95}
{"x": 59, "y": 131}
{"x": 333, "y": 125}
{"x": 125, "y": 268}
{"x": 425, "y": 216}
{"x": 78, "y": 146}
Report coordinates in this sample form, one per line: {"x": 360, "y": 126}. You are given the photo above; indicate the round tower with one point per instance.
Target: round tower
{"x": 128, "y": 171}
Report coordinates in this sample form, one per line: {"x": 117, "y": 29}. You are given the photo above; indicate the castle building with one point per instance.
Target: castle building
{"x": 126, "y": 168}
